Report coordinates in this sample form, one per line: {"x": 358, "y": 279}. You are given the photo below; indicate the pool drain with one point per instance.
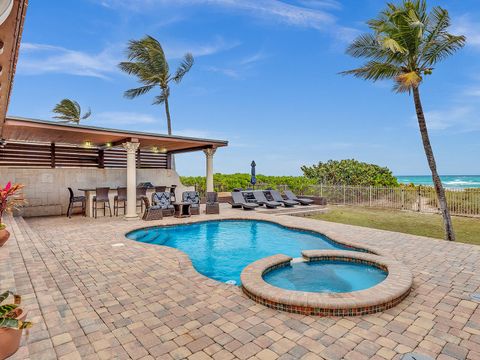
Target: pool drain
{"x": 475, "y": 297}
{"x": 416, "y": 356}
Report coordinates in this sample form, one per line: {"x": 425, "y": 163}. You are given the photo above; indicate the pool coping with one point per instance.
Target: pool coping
{"x": 380, "y": 297}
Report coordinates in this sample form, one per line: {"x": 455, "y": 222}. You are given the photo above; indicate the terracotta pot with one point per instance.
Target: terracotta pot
{"x": 10, "y": 338}
{"x": 4, "y": 235}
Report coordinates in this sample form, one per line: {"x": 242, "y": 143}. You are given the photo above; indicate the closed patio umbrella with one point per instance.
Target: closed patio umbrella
{"x": 253, "y": 179}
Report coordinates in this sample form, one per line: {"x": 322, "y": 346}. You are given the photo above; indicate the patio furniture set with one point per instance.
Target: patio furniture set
{"x": 251, "y": 199}
{"x": 163, "y": 202}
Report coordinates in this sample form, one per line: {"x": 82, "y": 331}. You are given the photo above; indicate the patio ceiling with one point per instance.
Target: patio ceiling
{"x": 12, "y": 16}
{"x": 33, "y": 130}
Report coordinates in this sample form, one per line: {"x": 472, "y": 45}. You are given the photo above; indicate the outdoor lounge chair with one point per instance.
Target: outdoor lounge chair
{"x": 262, "y": 200}
{"x": 239, "y": 201}
{"x": 291, "y": 196}
{"x": 152, "y": 212}
{"x": 163, "y": 200}
{"x": 193, "y": 198}
{"x": 277, "y": 197}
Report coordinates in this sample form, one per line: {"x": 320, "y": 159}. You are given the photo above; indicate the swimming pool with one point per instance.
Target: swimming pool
{"x": 326, "y": 276}
{"x": 221, "y": 249}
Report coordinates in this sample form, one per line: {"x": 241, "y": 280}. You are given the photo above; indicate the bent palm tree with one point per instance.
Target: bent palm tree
{"x": 70, "y": 111}
{"x": 148, "y": 63}
{"x": 405, "y": 43}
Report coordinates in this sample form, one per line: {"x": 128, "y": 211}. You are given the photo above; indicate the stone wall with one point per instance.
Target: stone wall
{"x": 46, "y": 189}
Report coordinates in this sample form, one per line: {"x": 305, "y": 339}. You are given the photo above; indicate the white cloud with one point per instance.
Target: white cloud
{"x": 256, "y": 57}
{"x": 461, "y": 118}
{"x": 225, "y": 71}
{"x": 45, "y": 58}
{"x": 464, "y": 25}
{"x": 308, "y": 14}
{"x": 116, "y": 118}
{"x": 177, "y": 49}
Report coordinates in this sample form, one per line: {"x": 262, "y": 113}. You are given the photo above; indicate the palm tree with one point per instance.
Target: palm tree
{"x": 405, "y": 43}
{"x": 148, "y": 63}
{"x": 70, "y": 111}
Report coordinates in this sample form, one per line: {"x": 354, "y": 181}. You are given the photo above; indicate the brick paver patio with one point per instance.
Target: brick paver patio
{"x": 93, "y": 294}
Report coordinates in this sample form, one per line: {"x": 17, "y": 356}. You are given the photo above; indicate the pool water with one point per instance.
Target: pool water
{"x": 221, "y": 249}
{"x": 326, "y": 276}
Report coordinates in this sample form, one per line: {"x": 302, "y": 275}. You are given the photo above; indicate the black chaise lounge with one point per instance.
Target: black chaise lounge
{"x": 262, "y": 200}
{"x": 291, "y": 196}
{"x": 239, "y": 201}
{"x": 277, "y": 197}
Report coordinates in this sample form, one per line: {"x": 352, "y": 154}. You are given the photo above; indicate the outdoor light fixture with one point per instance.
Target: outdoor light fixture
{"x": 163, "y": 150}
{"x": 108, "y": 145}
{"x": 3, "y": 142}
{"x": 155, "y": 149}
{"x": 87, "y": 144}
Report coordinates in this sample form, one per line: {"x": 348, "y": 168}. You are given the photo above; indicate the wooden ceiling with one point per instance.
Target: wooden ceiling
{"x": 10, "y": 35}
{"x": 32, "y": 130}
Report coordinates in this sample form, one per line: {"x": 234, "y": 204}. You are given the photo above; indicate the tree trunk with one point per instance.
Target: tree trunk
{"x": 447, "y": 220}
{"x": 169, "y": 127}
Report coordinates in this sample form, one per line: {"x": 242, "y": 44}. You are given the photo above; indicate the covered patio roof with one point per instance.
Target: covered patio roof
{"x": 34, "y": 130}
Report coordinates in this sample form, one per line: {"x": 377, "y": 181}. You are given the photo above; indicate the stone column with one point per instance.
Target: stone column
{"x": 131, "y": 148}
{"x": 209, "y": 155}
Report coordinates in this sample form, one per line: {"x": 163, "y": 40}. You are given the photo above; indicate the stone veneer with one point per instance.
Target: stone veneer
{"x": 46, "y": 189}
{"x": 380, "y": 297}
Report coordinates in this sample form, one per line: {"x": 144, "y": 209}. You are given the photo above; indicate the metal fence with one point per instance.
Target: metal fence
{"x": 465, "y": 202}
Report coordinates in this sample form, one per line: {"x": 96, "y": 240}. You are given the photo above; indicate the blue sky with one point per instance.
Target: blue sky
{"x": 265, "y": 78}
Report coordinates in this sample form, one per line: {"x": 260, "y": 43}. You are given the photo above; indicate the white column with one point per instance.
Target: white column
{"x": 209, "y": 155}
{"x": 131, "y": 148}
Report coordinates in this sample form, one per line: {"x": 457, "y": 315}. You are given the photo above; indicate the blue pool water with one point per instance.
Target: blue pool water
{"x": 326, "y": 276}
{"x": 221, "y": 249}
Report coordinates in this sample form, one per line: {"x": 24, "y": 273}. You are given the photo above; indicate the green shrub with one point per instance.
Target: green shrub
{"x": 349, "y": 172}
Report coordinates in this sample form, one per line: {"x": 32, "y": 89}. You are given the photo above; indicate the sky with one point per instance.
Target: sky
{"x": 266, "y": 78}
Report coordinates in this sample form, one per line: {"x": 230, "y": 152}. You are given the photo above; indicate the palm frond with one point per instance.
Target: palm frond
{"x": 160, "y": 99}
{"x": 68, "y": 110}
{"x": 184, "y": 67}
{"x": 443, "y": 48}
{"x": 133, "y": 93}
{"x": 87, "y": 114}
{"x": 374, "y": 70}
{"x": 407, "y": 81}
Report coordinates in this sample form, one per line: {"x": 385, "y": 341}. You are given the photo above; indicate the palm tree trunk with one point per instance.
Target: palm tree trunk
{"x": 169, "y": 128}
{"x": 169, "y": 121}
{"x": 447, "y": 220}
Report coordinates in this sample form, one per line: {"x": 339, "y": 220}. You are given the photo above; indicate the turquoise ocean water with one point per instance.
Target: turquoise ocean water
{"x": 449, "y": 181}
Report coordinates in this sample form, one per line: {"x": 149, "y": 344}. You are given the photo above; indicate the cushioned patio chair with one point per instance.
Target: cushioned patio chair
{"x": 163, "y": 200}
{"x": 278, "y": 198}
{"x": 238, "y": 201}
{"x": 262, "y": 200}
{"x": 193, "y": 198}
{"x": 212, "y": 205}
{"x": 291, "y": 196}
{"x": 76, "y": 199}
{"x": 152, "y": 212}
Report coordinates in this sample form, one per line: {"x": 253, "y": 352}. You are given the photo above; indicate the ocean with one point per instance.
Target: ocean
{"x": 449, "y": 181}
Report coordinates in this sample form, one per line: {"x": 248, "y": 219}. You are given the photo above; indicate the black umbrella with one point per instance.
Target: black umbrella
{"x": 253, "y": 179}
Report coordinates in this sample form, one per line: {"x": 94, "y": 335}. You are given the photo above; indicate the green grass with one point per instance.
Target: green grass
{"x": 467, "y": 230}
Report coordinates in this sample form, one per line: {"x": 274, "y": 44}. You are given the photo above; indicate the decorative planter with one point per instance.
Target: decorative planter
{"x": 4, "y": 235}
{"x": 10, "y": 338}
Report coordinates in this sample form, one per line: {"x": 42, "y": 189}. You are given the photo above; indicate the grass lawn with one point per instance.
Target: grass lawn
{"x": 467, "y": 230}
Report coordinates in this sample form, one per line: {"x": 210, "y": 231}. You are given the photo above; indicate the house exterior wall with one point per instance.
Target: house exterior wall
{"x": 46, "y": 189}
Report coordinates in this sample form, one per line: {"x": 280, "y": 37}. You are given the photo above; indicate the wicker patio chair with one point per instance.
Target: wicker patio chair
{"x": 212, "y": 205}
{"x": 121, "y": 197}
{"x": 101, "y": 196}
{"x": 160, "y": 188}
{"x": 141, "y": 193}
{"x": 76, "y": 199}
{"x": 162, "y": 199}
{"x": 152, "y": 212}
{"x": 193, "y": 198}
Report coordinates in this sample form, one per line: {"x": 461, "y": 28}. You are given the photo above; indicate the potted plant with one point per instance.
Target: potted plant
{"x": 9, "y": 200}
{"x": 12, "y": 323}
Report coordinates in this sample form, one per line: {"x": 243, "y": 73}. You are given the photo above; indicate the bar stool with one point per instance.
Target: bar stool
{"x": 121, "y": 197}
{"x": 141, "y": 193}
{"x": 101, "y": 196}
{"x": 76, "y": 199}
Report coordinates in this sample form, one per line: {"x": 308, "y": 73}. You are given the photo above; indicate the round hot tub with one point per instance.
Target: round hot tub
{"x": 326, "y": 276}
{"x": 327, "y": 283}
